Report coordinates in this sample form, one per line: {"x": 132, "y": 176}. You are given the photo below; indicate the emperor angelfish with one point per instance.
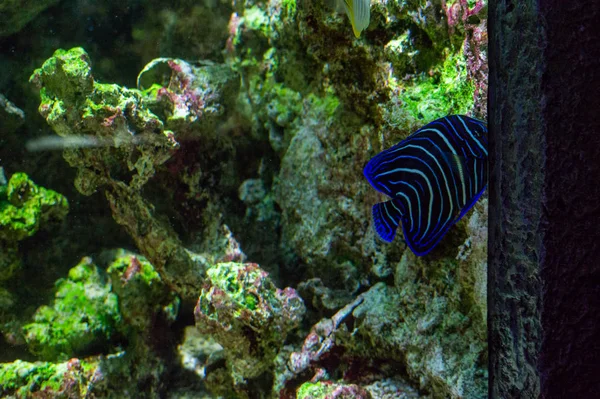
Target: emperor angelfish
{"x": 433, "y": 177}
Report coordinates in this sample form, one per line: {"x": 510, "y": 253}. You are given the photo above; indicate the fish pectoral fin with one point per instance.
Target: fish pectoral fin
{"x": 387, "y": 216}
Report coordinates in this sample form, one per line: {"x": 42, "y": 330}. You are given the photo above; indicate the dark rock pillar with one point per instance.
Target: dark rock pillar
{"x": 544, "y": 248}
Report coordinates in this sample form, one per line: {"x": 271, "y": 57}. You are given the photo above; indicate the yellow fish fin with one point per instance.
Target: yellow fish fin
{"x": 359, "y": 13}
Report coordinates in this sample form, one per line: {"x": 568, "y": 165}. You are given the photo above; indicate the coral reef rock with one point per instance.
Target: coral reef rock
{"x": 248, "y": 316}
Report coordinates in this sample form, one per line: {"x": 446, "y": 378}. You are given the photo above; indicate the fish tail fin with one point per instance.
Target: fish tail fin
{"x": 387, "y": 216}
{"x": 359, "y": 13}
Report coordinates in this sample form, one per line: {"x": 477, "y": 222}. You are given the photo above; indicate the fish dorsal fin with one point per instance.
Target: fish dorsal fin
{"x": 387, "y": 216}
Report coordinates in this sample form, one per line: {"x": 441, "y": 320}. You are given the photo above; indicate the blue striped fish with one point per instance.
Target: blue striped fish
{"x": 433, "y": 177}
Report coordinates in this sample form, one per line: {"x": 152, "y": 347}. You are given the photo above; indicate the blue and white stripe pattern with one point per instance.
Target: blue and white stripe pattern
{"x": 433, "y": 177}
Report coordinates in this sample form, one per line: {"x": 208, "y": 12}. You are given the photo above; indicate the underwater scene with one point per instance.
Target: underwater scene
{"x": 243, "y": 199}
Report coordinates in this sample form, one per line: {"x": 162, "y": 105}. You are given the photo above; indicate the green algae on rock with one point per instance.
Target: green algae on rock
{"x": 190, "y": 98}
{"x": 132, "y": 144}
{"x": 143, "y": 296}
{"x": 314, "y": 104}
{"x": 94, "y": 315}
{"x": 244, "y": 312}
{"x": 74, "y": 104}
{"x": 105, "y": 376}
{"x": 325, "y": 390}
{"x": 447, "y": 92}
{"x": 85, "y": 313}
{"x": 74, "y": 378}
{"x": 148, "y": 309}
{"x": 24, "y": 208}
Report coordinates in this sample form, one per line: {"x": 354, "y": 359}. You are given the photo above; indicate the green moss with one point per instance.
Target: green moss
{"x": 290, "y": 8}
{"x": 311, "y": 390}
{"x": 152, "y": 91}
{"x": 146, "y": 272}
{"x": 24, "y": 377}
{"x": 251, "y": 301}
{"x": 323, "y": 108}
{"x": 242, "y": 310}
{"x": 25, "y": 207}
{"x": 84, "y": 313}
{"x": 233, "y": 279}
{"x": 66, "y": 78}
{"x": 231, "y": 284}
{"x": 74, "y": 104}
{"x": 107, "y": 98}
{"x": 470, "y": 3}
{"x": 447, "y": 92}
{"x": 67, "y": 74}
{"x": 256, "y": 19}
{"x": 285, "y": 105}
{"x": 142, "y": 293}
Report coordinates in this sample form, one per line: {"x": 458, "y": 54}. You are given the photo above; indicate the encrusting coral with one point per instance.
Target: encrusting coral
{"x": 25, "y": 208}
{"x": 85, "y": 312}
{"x": 97, "y": 310}
{"x": 241, "y": 308}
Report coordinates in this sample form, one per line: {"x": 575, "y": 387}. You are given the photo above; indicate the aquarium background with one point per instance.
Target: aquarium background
{"x": 200, "y": 225}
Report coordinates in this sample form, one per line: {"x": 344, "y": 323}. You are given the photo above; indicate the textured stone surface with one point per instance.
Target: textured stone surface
{"x": 241, "y": 309}
{"x": 543, "y": 269}
{"x": 515, "y": 195}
